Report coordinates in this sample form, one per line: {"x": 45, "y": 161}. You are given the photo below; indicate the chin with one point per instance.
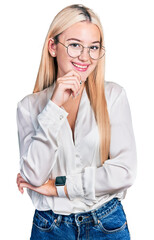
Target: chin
{"x": 84, "y": 76}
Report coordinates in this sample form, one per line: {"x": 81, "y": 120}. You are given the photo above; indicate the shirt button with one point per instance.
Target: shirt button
{"x": 80, "y": 218}
{"x": 61, "y": 117}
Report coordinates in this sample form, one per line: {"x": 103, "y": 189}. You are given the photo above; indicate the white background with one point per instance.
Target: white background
{"x": 129, "y": 39}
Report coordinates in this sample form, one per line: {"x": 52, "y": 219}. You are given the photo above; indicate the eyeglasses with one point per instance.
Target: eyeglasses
{"x": 76, "y": 49}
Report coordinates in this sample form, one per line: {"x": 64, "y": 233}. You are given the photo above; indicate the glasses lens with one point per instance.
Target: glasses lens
{"x": 97, "y": 52}
{"x": 74, "y": 49}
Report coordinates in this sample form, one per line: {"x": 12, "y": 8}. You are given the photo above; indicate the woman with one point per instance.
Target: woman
{"x": 77, "y": 147}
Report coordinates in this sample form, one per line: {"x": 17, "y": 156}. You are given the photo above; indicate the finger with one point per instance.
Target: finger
{"x": 73, "y": 83}
{"x": 20, "y": 189}
{"x": 23, "y": 185}
{"x": 73, "y": 73}
{"x": 71, "y": 87}
{"x": 64, "y": 85}
{"x": 19, "y": 179}
{"x": 70, "y": 78}
{"x": 18, "y": 175}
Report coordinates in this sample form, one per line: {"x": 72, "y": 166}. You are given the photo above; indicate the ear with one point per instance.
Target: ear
{"x": 52, "y": 47}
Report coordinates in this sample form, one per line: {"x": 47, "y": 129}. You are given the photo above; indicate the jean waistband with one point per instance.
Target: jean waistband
{"x": 84, "y": 217}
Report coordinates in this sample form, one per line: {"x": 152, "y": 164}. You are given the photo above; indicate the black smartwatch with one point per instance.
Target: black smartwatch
{"x": 60, "y": 184}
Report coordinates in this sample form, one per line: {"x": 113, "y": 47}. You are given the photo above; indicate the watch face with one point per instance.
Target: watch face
{"x": 60, "y": 181}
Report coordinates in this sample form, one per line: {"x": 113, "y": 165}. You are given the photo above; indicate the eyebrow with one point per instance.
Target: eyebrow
{"x": 75, "y": 39}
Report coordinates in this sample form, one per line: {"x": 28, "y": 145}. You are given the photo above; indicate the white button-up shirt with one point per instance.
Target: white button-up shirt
{"x": 47, "y": 150}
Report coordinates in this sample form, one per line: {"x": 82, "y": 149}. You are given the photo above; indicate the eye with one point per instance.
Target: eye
{"x": 94, "y": 48}
{"x": 75, "y": 45}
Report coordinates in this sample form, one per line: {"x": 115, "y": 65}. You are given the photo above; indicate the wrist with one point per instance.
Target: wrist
{"x": 56, "y": 193}
{"x": 52, "y": 99}
{"x": 60, "y": 182}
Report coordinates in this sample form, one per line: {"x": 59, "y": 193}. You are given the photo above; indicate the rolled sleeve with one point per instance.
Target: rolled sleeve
{"x": 82, "y": 185}
{"x": 53, "y": 114}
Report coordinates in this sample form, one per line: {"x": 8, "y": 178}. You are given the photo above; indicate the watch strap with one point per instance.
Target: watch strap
{"x": 60, "y": 191}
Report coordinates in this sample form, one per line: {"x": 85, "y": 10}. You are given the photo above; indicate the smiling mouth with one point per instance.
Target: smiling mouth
{"x": 80, "y": 67}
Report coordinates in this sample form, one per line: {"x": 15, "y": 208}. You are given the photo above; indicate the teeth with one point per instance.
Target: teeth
{"x": 79, "y": 66}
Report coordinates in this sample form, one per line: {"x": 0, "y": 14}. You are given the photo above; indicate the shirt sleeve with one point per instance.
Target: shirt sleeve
{"x": 117, "y": 173}
{"x": 38, "y": 148}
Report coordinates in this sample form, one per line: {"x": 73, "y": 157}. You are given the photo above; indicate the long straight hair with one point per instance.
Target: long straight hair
{"x": 48, "y": 68}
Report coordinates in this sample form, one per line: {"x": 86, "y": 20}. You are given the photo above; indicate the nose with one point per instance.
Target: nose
{"x": 84, "y": 54}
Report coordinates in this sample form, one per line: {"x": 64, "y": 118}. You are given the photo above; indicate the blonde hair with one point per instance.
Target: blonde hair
{"x": 95, "y": 83}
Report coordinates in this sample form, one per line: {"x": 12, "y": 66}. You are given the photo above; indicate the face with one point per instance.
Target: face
{"x": 85, "y": 33}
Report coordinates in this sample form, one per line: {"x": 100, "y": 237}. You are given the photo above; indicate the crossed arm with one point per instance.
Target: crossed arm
{"x": 115, "y": 175}
{"x": 47, "y": 189}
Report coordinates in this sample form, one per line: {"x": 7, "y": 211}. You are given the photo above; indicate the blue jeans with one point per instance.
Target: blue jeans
{"x": 107, "y": 222}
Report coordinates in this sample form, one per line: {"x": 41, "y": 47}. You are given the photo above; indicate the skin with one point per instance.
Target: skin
{"x": 68, "y": 87}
